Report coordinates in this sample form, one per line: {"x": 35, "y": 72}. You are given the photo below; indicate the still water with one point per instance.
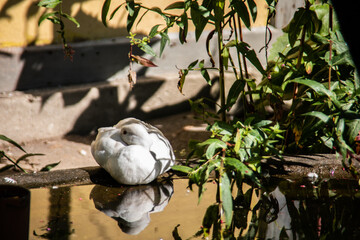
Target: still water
{"x": 284, "y": 209}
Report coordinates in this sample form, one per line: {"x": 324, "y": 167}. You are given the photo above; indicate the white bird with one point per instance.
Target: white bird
{"x": 133, "y": 152}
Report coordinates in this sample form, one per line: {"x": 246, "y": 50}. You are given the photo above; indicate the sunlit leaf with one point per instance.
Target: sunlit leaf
{"x": 72, "y": 19}
{"x": 226, "y": 198}
{"x": 49, "y": 167}
{"x": 46, "y": 16}
{"x": 181, "y": 168}
{"x": 49, "y": 3}
{"x": 4, "y": 138}
{"x": 153, "y": 30}
{"x": 104, "y": 11}
{"x": 147, "y": 49}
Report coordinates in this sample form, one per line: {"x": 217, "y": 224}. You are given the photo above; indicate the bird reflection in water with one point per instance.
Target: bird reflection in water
{"x": 131, "y": 207}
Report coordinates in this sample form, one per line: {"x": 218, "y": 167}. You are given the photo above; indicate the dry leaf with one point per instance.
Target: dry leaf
{"x": 143, "y": 61}
{"x": 132, "y": 78}
{"x": 181, "y": 81}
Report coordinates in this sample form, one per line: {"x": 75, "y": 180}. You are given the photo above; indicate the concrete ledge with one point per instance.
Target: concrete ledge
{"x": 327, "y": 166}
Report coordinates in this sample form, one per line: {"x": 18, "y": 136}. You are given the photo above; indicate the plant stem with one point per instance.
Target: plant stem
{"x": 13, "y": 162}
{"x": 330, "y": 43}
{"x": 301, "y": 49}
{"x": 221, "y": 71}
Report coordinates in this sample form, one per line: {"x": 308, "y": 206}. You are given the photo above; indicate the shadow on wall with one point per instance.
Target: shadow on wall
{"x": 34, "y": 67}
{"x": 107, "y": 110}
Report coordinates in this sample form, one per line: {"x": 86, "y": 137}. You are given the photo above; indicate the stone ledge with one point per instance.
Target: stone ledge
{"x": 327, "y": 166}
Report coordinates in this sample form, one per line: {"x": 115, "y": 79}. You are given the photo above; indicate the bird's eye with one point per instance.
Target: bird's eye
{"x": 124, "y": 132}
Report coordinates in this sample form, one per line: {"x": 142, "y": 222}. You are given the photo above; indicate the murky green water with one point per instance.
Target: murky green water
{"x": 283, "y": 210}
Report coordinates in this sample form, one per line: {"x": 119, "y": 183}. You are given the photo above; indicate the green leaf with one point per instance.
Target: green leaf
{"x": 49, "y": 3}
{"x": 226, "y": 198}
{"x": 4, "y": 138}
{"x": 153, "y": 31}
{"x": 353, "y": 129}
{"x": 72, "y": 19}
{"x": 234, "y": 92}
{"x": 133, "y": 13}
{"x": 211, "y": 150}
{"x": 204, "y": 72}
{"x": 183, "y": 24}
{"x": 250, "y": 54}
{"x": 28, "y": 155}
{"x": 225, "y": 55}
{"x": 192, "y": 65}
{"x": 180, "y": 168}
{"x": 49, "y": 167}
{"x": 147, "y": 49}
{"x": 253, "y": 9}
{"x": 262, "y": 123}
{"x": 104, "y": 11}
{"x": 322, "y": 116}
{"x": 164, "y": 39}
{"x": 239, "y": 166}
{"x": 46, "y": 16}
{"x": 198, "y": 19}
{"x": 176, "y": 5}
{"x": 242, "y": 11}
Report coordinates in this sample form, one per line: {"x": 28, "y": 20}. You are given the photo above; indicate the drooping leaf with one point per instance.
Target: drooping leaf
{"x": 23, "y": 157}
{"x": 253, "y": 9}
{"x": 204, "y": 72}
{"x": 72, "y": 19}
{"x": 250, "y": 54}
{"x": 143, "y": 61}
{"x": 9, "y": 140}
{"x": 226, "y": 198}
{"x": 182, "y": 75}
{"x": 46, "y": 16}
{"x": 104, "y": 11}
{"x": 164, "y": 40}
{"x": 198, "y": 19}
{"x": 242, "y": 11}
{"x": 234, "y": 93}
{"x": 132, "y": 77}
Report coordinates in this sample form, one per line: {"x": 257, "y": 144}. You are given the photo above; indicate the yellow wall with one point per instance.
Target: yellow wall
{"x": 18, "y": 21}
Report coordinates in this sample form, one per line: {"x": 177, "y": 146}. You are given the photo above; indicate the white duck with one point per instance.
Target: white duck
{"x": 133, "y": 152}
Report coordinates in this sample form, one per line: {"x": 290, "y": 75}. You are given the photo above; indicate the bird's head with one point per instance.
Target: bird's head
{"x": 135, "y": 134}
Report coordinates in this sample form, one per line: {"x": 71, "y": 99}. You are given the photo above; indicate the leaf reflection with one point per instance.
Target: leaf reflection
{"x": 288, "y": 209}
{"x": 131, "y": 207}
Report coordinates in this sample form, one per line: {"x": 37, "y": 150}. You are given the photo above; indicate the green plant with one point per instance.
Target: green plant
{"x": 310, "y": 84}
{"x": 56, "y": 17}
{"x": 15, "y": 163}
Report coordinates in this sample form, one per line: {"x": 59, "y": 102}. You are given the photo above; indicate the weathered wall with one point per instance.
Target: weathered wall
{"x": 19, "y": 18}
